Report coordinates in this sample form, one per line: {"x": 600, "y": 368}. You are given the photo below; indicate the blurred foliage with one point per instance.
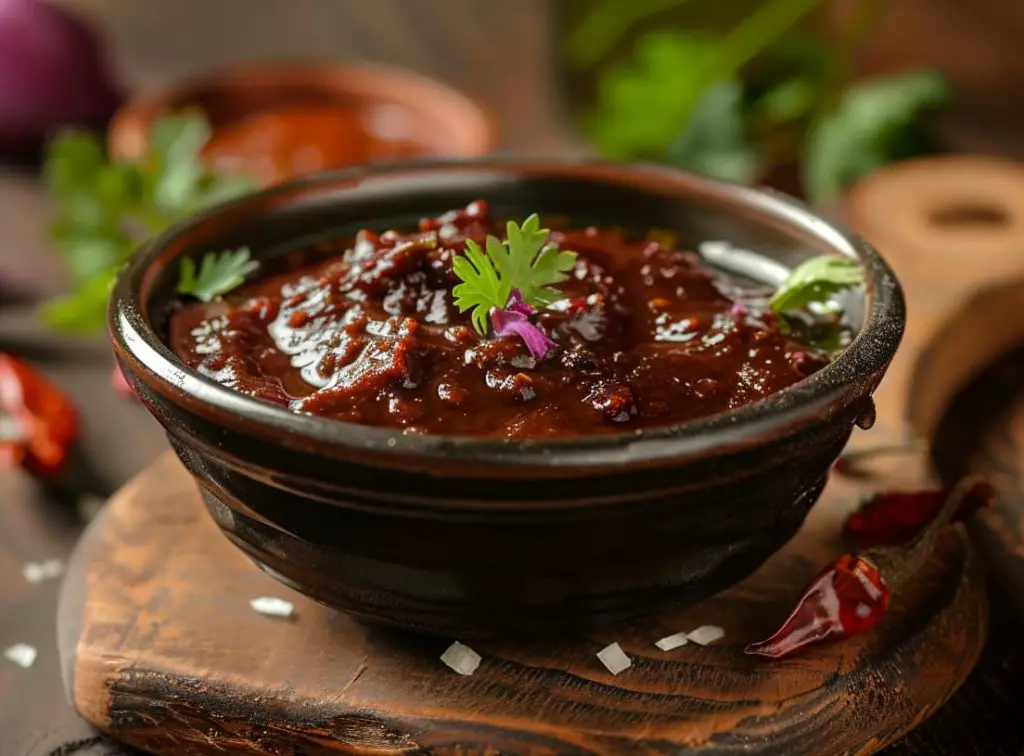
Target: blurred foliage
{"x": 736, "y": 90}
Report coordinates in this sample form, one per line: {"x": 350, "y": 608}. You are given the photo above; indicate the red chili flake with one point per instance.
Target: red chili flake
{"x": 477, "y": 209}
{"x": 894, "y": 517}
{"x": 846, "y": 598}
{"x": 43, "y": 418}
{"x": 262, "y": 307}
{"x": 577, "y": 305}
{"x": 298, "y": 319}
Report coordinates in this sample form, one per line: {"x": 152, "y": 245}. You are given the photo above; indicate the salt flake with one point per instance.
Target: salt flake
{"x": 614, "y": 658}
{"x": 272, "y": 607}
{"x": 37, "y": 572}
{"x": 21, "y": 654}
{"x": 461, "y": 658}
{"x": 706, "y": 634}
{"x": 670, "y": 642}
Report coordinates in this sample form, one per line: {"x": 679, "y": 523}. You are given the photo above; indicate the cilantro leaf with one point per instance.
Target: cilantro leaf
{"x": 176, "y": 144}
{"x": 218, "y": 274}
{"x": 643, "y": 104}
{"x": 603, "y": 24}
{"x": 80, "y": 311}
{"x": 480, "y": 288}
{"x": 104, "y": 209}
{"x": 551, "y": 266}
{"x": 876, "y": 122}
{"x": 816, "y": 280}
{"x": 523, "y": 262}
{"x": 714, "y": 142}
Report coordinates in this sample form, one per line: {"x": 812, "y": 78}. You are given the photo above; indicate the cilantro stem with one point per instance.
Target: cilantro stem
{"x": 597, "y": 32}
{"x": 841, "y": 63}
{"x": 757, "y": 32}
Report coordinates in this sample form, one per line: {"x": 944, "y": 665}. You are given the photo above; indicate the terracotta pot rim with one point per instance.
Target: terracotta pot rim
{"x": 474, "y": 128}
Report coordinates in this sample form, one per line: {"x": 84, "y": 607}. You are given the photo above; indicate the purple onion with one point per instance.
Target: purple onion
{"x": 52, "y": 73}
{"x": 513, "y": 320}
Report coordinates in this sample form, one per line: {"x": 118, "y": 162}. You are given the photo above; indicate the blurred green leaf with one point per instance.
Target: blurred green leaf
{"x": 175, "y": 161}
{"x": 72, "y": 161}
{"x": 715, "y": 142}
{"x": 642, "y": 106}
{"x": 604, "y": 23}
{"x": 85, "y": 310}
{"x": 875, "y": 123}
{"x": 89, "y": 253}
{"x": 104, "y": 209}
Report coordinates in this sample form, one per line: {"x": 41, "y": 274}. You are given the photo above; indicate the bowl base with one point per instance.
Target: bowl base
{"x": 162, "y": 650}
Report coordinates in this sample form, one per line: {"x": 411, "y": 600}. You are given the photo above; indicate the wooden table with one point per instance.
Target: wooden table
{"x": 120, "y": 438}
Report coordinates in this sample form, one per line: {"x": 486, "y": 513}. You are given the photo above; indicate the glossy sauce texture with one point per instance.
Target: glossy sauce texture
{"x": 367, "y": 333}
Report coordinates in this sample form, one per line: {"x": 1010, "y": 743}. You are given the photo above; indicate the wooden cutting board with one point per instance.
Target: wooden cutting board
{"x": 161, "y": 648}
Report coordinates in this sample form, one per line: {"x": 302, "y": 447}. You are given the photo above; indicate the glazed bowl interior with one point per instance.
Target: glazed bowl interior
{"x": 754, "y": 235}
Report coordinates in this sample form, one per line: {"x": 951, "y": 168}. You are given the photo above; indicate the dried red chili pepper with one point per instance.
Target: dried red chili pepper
{"x": 846, "y": 598}
{"x": 893, "y": 517}
{"x": 40, "y": 421}
{"x": 852, "y": 595}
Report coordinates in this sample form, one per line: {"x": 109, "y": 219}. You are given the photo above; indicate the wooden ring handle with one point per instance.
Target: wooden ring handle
{"x": 952, "y": 228}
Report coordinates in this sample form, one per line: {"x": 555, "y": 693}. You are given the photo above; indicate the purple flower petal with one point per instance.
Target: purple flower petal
{"x": 517, "y": 305}
{"x": 501, "y": 319}
{"x": 513, "y": 320}
{"x": 535, "y": 339}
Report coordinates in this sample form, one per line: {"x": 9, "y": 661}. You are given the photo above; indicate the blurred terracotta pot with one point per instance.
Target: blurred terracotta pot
{"x": 276, "y": 121}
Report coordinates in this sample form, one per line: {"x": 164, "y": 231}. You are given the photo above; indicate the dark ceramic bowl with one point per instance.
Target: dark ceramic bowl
{"x": 471, "y": 537}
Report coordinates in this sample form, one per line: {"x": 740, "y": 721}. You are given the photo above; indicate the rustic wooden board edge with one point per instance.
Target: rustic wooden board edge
{"x": 129, "y": 698}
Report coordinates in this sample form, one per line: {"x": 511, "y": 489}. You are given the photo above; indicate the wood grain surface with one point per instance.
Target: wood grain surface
{"x": 126, "y": 579}
{"x": 163, "y": 650}
{"x": 155, "y": 44}
{"x": 923, "y": 216}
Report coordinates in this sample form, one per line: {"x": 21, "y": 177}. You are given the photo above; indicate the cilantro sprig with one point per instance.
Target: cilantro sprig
{"x": 217, "y": 274}
{"x": 105, "y": 208}
{"x": 525, "y": 262}
{"x": 816, "y": 281}
{"x": 749, "y": 91}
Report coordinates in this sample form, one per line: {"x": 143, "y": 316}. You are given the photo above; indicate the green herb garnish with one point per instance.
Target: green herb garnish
{"x": 218, "y": 274}
{"x": 816, "y": 281}
{"x": 748, "y": 90}
{"x": 104, "y": 209}
{"x": 525, "y": 262}
{"x": 875, "y": 122}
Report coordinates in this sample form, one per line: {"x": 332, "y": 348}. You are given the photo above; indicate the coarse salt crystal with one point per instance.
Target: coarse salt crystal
{"x": 272, "y": 607}
{"x": 37, "y": 572}
{"x": 21, "y": 654}
{"x": 706, "y": 634}
{"x": 461, "y": 658}
{"x": 670, "y": 642}
{"x": 614, "y": 658}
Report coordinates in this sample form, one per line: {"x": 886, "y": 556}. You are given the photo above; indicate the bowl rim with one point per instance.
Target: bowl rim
{"x": 852, "y": 375}
{"x": 127, "y": 132}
